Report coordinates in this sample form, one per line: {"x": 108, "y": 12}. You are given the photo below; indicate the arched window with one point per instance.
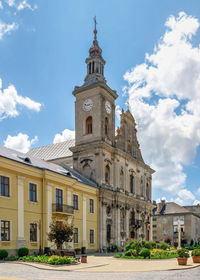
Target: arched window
{"x": 106, "y": 126}
{"x": 89, "y": 125}
{"x": 108, "y": 229}
{"x": 107, "y": 174}
{"x": 132, "y": 184}
{"x": 93, "y": 67}
{"x": 121, "y": 179}
{"x": 90, "y": 68}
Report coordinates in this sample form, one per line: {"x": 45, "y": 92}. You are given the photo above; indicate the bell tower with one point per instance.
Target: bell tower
{"x": 94, "y": 116}
{"x": 94, "y": 106}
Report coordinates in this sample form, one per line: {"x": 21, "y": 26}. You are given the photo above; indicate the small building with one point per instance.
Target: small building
{"x": 168, "y": 216}
{"x": 33, "y": 192}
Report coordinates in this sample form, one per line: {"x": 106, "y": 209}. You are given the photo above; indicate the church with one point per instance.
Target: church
{"x": 109, "y": 157}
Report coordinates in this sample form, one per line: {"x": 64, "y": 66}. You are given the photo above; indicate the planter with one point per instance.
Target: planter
{"x": 84, "y": 259}
{"x": 182, "y": 261}
{"x": 196, "y": 259}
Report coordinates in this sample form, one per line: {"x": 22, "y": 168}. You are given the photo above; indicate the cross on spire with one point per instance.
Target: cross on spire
{"x": 95, "y": 28}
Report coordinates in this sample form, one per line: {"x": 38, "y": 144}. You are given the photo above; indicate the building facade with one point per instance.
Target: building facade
{"x": 108, "y": 156}
{"x": 168, "y": 218}
{"x": 33, "y": 193}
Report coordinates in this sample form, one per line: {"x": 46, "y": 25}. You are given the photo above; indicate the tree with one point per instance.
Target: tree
{"x": 60, "y": 232}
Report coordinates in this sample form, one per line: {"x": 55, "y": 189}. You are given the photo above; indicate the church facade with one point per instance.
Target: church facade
{"x": 108, "y": 156}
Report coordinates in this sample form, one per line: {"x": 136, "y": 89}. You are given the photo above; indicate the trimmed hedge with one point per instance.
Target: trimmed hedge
{"x": 23, "y": 252}
{"x": 3, "y": 254}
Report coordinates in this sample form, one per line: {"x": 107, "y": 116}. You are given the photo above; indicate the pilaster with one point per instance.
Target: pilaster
{"x": 85, "y": 221}
{"x": 20, "y": 185}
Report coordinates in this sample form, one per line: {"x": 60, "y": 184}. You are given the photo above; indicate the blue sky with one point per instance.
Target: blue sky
{"x": 43, "y": 57}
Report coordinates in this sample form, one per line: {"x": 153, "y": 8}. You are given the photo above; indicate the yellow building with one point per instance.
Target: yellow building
{"x": 33, "y": 192}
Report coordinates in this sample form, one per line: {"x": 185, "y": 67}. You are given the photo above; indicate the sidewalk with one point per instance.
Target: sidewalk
{"x": 110, "y": 264}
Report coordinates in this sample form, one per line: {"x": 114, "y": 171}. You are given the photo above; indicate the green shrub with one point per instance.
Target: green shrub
{"x": 183, "y": 253}
{"x": 117, "y": 255}
{"x": 196, "y": 252}
{"x": 133, "y": 244}
{"x": 164, "y": 246}
{"x": 130, "y": 252}
{"x": 11, "y": 258}
{"x": 145, "y": 253}
{"x": 55, "y": 260}
{"x": 23, "y": 252}
{"x": 149, "y": 244}
{"x": 3, "y": 254}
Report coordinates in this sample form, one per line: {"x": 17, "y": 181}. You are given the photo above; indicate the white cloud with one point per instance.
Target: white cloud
{"x": 196, "y": 202}
{"x": 20, "y": 142}
{"x": 118, "y": 111}
{"x": 163, "y": 94}
{"x": 10, "y": 101}
{"x": 198, "y": 191}
{"x": 66, "y": 134}
{"x": 6, "y": 28}
{"x": 20, "y": 4}
{"x": 1, "y": 5}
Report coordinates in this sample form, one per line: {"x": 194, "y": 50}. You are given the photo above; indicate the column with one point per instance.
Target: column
{"x": 127, "y": 223}
{"x": 20, "y": 183}
{"x": 49, "y": 208}
{"x": 118, "y": 235}
{"x": 85, "y": 243}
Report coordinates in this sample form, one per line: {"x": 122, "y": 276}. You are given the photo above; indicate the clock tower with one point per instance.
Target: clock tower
{"x": 94, "y": 106}
{"x": 113, "y": 161}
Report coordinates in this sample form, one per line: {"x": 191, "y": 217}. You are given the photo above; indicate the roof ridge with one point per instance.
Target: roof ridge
{"x": 52, "y": 144}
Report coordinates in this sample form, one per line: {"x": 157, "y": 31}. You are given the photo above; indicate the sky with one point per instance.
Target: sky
{"x": 152, "y": 54}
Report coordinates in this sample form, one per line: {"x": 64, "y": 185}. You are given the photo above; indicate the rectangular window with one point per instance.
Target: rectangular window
{"x": 91, "y": 205}
{"x": 154, "y": 219}
{"x": 5, "y": 230}
{"x": 33, "y": 232}
{"x": 33, "y": 192}
{"x": 75, "y": 235}
{"x": 91, "y": 236}
{"x": 75, "y": 201}
{"x": 59, "y": 200}
{"x": 154, "y": 226}
{"x": 4, "y": 186}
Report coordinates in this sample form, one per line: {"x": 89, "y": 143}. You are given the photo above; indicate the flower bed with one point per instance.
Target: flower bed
{"x": 135, "y": 249}
{"x": 54, "y": 260}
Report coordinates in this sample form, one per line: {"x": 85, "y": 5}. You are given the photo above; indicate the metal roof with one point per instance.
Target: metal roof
{"x": 53, "y": 151}
{"x": 42, "y": 164}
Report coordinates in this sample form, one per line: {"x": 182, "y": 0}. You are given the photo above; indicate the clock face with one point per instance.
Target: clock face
{"x": 108, "y": 107}
{"x": 87, "y": 105}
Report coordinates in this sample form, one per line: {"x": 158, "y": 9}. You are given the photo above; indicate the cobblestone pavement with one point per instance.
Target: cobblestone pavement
{"x": 20, "y": 272}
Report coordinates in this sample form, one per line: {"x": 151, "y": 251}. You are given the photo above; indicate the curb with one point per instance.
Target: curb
{"x": 55, "y": 269}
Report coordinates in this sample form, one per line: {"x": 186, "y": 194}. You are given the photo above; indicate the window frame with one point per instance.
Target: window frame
{"x": 2, "y": 184}
{"x": 92, "y": 236}
{"x": 33, "y": 192}
{"x": 75, "y": 202}
{"x": 91, "y": 205}
{"x": 76, "y": 236}
{"x": 9, "y": 232}
{"x": 89, "y": 125}
{"x": 34, "y": 233}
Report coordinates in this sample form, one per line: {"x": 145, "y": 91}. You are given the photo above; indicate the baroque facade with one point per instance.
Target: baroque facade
{"x": 108, "y": 156}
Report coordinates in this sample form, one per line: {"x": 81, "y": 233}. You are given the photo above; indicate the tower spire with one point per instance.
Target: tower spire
{"x": 95, "y": 62}
{"x": 95, "y": 28}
